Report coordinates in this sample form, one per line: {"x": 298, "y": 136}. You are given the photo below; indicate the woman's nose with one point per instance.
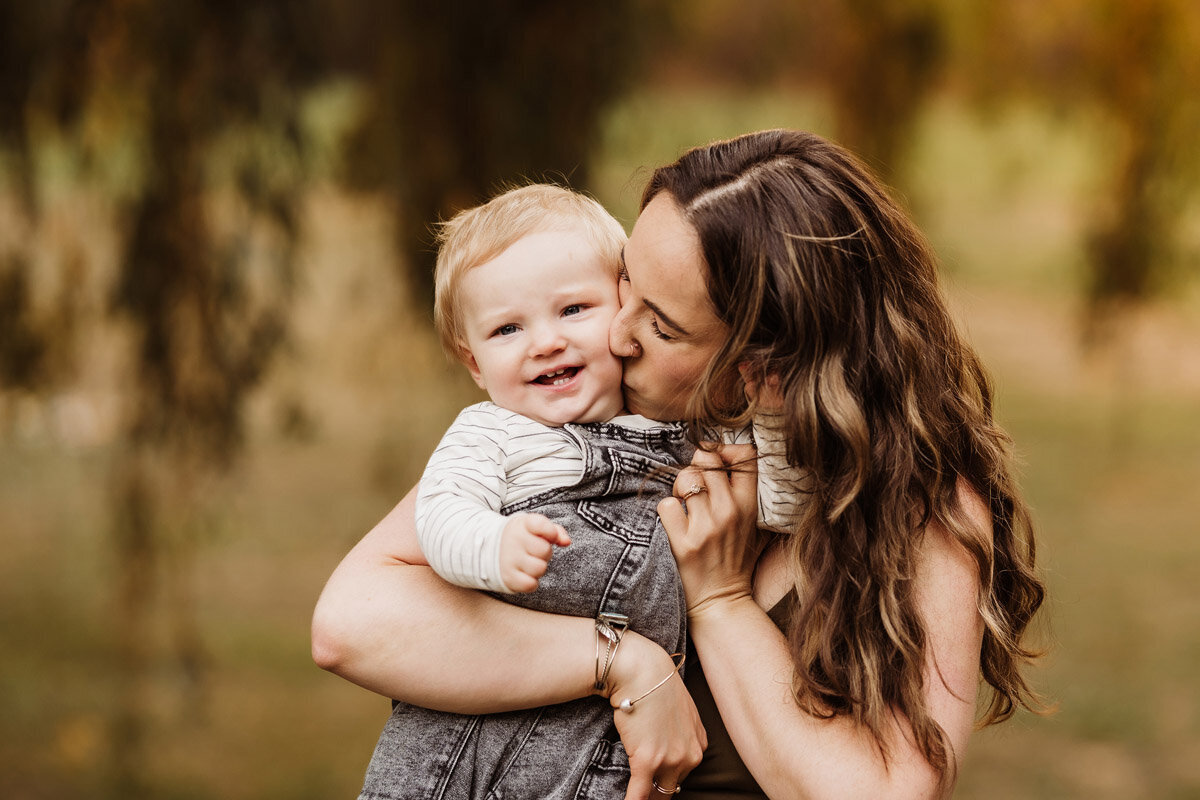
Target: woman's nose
{"x": 620, "y": 337}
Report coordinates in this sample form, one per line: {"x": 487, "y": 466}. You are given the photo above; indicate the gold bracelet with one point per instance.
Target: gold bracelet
{"x": 611, "y": 626}
{"x": 627, "y": 704}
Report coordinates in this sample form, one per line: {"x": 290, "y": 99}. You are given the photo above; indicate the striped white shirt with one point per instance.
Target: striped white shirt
{"x": 781, "y": 487}
{"x": 491, "y": 457}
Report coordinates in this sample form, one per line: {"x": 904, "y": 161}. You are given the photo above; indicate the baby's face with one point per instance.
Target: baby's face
{"x": 536, "y": 319}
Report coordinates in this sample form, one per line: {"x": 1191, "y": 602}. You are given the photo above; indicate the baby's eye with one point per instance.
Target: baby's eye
{"x": 573, "y": 309}
{"x": 505, "y": 330}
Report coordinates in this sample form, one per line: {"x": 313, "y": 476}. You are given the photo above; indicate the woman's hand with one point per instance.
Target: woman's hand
{"x": 661, "y": 732}
{"x": 716, "y": 540}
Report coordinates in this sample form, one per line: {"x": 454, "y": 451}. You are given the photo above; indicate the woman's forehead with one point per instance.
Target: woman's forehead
{"x": 664, "y": 258}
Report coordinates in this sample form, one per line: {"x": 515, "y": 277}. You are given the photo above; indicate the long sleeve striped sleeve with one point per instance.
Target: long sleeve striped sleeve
{"x": 459, "y": 499}
{"x": 781, "y": 486}
{"x": 489, "y": 458}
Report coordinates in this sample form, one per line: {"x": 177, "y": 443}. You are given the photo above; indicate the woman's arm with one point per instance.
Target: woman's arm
{"x": 386, "y": 622}
{"x": 748, "y": 666}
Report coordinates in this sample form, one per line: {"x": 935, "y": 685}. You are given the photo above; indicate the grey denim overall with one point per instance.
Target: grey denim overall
{"x": 619, "y": 561}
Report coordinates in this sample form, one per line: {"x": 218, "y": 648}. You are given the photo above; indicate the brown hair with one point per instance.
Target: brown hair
{"x": 826, "y": 283}
{"x": 479, "y": 234}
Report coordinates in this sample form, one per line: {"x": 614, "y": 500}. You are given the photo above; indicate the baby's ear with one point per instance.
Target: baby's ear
{"x": 468, "y": 360}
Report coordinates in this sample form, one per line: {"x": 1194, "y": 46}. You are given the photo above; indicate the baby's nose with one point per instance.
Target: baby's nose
{"x": 547, "y": 339}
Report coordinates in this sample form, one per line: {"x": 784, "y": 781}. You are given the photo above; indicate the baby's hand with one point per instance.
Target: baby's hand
{"x": 525, "y": 549}
{"x": 768, "y": 396}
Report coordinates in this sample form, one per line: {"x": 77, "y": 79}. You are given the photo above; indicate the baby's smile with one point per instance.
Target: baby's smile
{"x": 558, "y": 377}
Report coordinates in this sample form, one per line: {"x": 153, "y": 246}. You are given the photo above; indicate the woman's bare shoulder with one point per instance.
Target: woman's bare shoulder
{"x": 974, "y": 507}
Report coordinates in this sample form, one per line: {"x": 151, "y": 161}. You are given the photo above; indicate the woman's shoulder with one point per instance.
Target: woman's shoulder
{"x": 970, "y": 519}
{"x": 974, "y": 507}
{"x": 950, "y": 554}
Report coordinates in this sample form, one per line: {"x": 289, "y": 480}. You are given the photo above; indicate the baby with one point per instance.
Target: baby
{"x": 526, "y": 289}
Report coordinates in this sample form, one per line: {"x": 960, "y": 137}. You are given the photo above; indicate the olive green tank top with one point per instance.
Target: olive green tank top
{"x": 722, "y": 775}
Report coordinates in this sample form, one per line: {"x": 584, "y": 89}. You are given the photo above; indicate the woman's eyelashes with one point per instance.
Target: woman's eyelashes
{"x": 623, "y": 277}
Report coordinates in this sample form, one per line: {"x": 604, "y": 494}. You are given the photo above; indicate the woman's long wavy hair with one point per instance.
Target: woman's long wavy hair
{"x": 825, "y": 283}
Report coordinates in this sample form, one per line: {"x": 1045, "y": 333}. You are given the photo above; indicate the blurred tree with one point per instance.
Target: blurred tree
{"x": 1136, "y": 67}
{"x": 468, "y": 94}
{"x": 878, "y": 60}
{"x": 204, "y": 320}
{"x": 26, "y": 30}
{"x": 1148, "y": 86}
{"x": 203, "y": 333}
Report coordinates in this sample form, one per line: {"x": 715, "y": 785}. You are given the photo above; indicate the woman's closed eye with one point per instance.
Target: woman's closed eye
{"x": 658, "y": 331}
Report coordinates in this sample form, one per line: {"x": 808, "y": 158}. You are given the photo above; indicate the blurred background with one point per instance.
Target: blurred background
{"x": 217, "y": 368}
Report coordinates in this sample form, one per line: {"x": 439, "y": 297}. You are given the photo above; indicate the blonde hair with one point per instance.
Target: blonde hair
{"x": 477, "y": 235}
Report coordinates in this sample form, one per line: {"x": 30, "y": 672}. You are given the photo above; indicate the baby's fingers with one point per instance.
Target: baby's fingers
{"x": 529, "y": 566}
{"x": 520, "y": 583}
{"x": 543, "y": 527}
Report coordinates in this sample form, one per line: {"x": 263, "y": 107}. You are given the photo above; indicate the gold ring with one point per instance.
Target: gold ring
{"x": 661, "y": 790}
{"x": 693, "y": 490}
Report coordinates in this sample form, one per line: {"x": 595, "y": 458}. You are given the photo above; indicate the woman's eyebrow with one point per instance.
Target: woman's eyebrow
{"x": 672, "y": 324}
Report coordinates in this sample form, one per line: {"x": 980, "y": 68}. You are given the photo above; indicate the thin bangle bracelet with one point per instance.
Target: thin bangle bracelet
{"x": 611, "y": 626}
{"x": 627, "y": 704}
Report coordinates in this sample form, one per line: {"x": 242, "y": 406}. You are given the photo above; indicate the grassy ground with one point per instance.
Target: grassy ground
{"x": 1111, "y": 451}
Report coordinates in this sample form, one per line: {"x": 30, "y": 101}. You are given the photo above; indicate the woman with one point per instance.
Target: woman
{"x": 767, "y": 273}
